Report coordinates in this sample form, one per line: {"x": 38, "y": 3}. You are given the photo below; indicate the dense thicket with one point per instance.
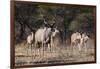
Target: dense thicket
{"x": 68, "y": 19}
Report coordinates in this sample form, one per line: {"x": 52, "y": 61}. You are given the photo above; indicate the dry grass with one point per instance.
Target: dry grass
{"x": 64, "y": 54}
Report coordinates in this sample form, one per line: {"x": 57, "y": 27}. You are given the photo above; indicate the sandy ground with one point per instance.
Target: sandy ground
{"x": 62, "y": 54}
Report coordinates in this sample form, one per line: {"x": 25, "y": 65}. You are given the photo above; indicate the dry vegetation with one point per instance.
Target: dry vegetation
{"x": 67, "y": 20}
{"x": 61, "y": 54}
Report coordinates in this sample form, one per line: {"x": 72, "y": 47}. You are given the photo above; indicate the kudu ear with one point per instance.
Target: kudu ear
{"x": 56, "y": 27}
{"x": 45, "y": 23}
{"x": 52, "y": 25}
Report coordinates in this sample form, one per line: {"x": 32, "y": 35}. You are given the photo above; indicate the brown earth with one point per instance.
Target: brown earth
{"x": 62, "y": 54}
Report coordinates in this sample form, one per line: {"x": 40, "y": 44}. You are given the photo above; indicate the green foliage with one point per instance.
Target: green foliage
{"x": 83, "y": 23}
{"x": 66, "y": 19}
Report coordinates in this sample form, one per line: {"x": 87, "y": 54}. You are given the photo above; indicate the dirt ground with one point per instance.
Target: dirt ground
{"x": 60, "y": 54}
